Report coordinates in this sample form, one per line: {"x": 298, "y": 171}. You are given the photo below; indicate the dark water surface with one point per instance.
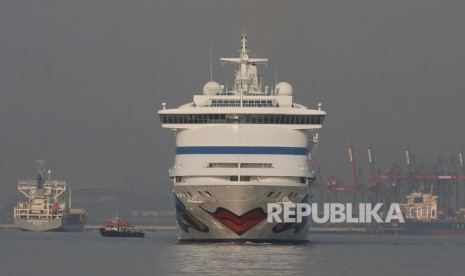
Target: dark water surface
{"x": 160, "y": 253}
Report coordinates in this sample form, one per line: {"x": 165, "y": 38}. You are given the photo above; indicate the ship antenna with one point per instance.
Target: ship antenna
{"x": 41, "y": 166}
{"x": 276, "y": 74}
{"x": 211, "y": 63}
{"x": 246, "y": 76}
{"x": 69, "y": 201}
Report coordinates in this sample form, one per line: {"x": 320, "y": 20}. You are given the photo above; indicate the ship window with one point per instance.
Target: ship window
{"x": 254, "y": 119}
{"x": 287, "y": 119}
{"x": 256, "y": 165}
{"x": 306, "y": 120}
{"x": 295, "y": 119}
{"x": 240, "y": 118}
{"x": 274, "y": 119}
{"x": 222, "y": 165}
{"x": 245, "y": 178}
{"x": 417, "y": 200}
{"x": 266, "y": 119}
{"x": 291, "y": 119}
{"x": 245, "y": 103}
{"x": 233, "y": 178}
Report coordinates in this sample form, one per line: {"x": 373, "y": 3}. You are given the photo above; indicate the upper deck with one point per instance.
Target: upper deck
{"x": 245, "y": 103}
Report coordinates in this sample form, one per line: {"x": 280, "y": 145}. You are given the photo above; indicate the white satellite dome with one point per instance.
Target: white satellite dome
{"x": 211, "y": 88}
{"x": 283, "y": 89}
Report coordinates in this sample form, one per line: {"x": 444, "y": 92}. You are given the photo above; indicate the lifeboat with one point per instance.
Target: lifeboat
{"x": 55, "y": 208}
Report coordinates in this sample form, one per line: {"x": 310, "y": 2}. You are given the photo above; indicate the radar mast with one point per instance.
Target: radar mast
{"x": 247, "y": 78}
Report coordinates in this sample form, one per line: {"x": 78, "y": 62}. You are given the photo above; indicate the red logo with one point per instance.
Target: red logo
{"x": 239, "y": 224}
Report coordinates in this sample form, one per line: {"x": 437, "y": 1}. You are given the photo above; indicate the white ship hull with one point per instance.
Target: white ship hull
{"x": 237, "y": 212}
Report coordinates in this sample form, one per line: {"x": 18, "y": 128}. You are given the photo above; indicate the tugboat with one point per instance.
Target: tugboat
{"x": 118, "y": 227}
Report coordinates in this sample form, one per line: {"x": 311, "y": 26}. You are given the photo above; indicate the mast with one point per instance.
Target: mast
{"x": 211, "y": 63}
{"x": 247, "y": 78}
{"x": 69, "y": 200}
{"x": 40, "y": 178}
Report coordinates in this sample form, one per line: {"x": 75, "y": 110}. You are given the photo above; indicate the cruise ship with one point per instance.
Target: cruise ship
{"x": 238, "y": 149}
{"x": 45, "y": 209}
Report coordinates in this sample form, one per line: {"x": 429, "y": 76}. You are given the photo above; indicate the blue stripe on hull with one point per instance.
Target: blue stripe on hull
{"x": 242, "y": 150}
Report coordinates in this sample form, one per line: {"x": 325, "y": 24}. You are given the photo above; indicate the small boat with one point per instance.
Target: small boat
{"x": 118, "y": 227}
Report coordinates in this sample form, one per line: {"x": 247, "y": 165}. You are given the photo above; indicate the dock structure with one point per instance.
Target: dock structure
{"x": 443, "y": 177}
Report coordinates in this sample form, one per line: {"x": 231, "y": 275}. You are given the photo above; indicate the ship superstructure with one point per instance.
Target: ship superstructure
{"x": 421, "y": 207}
{"x": 45, "y": 208}
{"x": 237, "y": 150}
{"x": 422, "y": 217}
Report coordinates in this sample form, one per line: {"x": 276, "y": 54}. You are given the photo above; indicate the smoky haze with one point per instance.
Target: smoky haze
{"x": 81, "y": 81}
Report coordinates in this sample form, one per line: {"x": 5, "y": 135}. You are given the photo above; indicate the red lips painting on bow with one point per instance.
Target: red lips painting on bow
{"x": 238, "y": 224}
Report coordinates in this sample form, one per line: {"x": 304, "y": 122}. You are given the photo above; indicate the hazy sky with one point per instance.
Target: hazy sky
{"x": 81, "y": 81}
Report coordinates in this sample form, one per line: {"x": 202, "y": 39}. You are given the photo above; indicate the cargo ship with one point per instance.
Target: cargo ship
{"x": 421, "y": 217}
{"x": 45, "y": 208}
{"x": 238, "y": 149}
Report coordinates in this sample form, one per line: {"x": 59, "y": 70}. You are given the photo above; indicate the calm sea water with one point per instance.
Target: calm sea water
{"x": 27, "y": 253}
